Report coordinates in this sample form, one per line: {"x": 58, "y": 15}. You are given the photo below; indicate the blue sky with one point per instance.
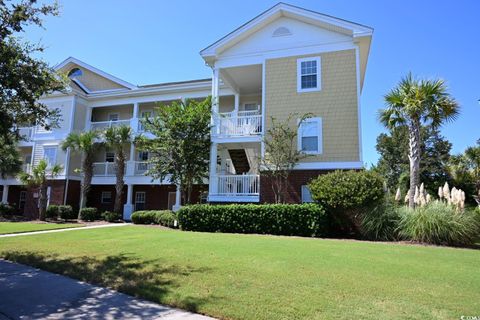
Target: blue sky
{"x": 158, "y": 41}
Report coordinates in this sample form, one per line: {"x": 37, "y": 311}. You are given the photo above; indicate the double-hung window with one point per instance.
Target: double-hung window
{"x": 109, "y": 156}
{"x": 50, "y": 155}
{"x": 308, "y": 74}
{"x": 140, "y": 198}
{"x": 106, "y": 197}
{"x": 310, "y": 136}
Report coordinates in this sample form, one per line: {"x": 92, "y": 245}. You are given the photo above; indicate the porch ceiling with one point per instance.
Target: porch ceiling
{"x": 245, "y": 79}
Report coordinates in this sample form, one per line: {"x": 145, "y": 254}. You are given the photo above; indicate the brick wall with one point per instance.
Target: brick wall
{"x": 294, "y": 190}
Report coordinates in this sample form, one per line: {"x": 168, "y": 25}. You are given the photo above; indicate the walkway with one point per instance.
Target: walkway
{"x": 29, "y": 293}
{"x": 63, "y": 230}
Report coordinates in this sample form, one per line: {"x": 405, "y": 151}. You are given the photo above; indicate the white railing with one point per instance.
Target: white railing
{"x": 100, "y": 125}
{"x": 238, "y": 125}
{"x": 26, "y": 133}
{"x": 104, "y": 169}
{"x": 26, "y": 167}
{"x": 140, "y": 167}
{"x": 240, "y": 185}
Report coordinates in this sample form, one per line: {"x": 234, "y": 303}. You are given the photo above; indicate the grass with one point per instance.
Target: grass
{"x": 234, "y": 276}
{"x": 20, "y": 227}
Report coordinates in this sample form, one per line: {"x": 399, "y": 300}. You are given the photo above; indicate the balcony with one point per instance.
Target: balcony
{"x": 235, "y": 188}
{"x": 132, "y": 168}
{"x": 240, "y": 124}
{"x": 103, "y": 125}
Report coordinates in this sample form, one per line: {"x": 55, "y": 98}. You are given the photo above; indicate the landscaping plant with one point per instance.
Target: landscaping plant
{"x": 165, "y": 218}
{"x": 380, "y": 222}
{"x": 89, "y": 214}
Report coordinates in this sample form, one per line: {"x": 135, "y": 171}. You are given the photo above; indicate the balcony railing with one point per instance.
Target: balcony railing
{"x": 107, "y": 169}
{"x": 104, "y": 169}
{"x": 238, "y": 185}
{"x": 26, "y": 167}
{"x": 237, "y": 125}
{"x": 141, "y": 167}
{"x": 26, "y": 133}
{"x": 101, "y": 125}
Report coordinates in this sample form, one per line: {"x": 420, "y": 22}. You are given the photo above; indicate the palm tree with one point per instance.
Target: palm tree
{"x": 414, "y": 103}
{"x": 39, "y": 179}
{"x": 116, "y": 138}
{"x": 86, "y": 144}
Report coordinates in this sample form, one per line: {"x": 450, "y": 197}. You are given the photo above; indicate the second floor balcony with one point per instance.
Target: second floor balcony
{"x": 238, "y": 124}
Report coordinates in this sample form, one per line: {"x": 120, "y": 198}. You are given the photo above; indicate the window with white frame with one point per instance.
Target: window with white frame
{"x": 50, "y": 155}
{"x": 113, "y": 117}
{"x": 109, "y": 156}
{"x": 308, "y": 74}
{"x": 106, "y": 197}
{"x": 310, "y": 136}
{"x": 306, "y": 195}
{"x": 143, "y": 155}
{"x": 140, "y": 198}
{"x": 22, "y": 200}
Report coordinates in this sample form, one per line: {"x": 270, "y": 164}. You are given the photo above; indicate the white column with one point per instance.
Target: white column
{"x": 213, "y": 169}
{"x": 178, "y": 198}
{"x": 5, "y": 194}
{"x": 134, "y": 122}
{"x": 128, "y": 206}
{"x": 135, "y": 110}
{"x": 237, "y": 103}
{"x": 215, "y": 84}
{"x": 89, "y": 118}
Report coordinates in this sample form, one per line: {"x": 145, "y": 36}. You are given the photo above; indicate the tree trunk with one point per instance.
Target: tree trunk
{"x": 414, "y": 157}
{"x": 86, "y": 183}
{"x": 42, "y": 200}
{"x": 119, "y": 173}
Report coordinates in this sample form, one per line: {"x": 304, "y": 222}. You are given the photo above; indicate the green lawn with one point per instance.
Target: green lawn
{"x": 264, "y": 277}
{"x": 19, "y": 227}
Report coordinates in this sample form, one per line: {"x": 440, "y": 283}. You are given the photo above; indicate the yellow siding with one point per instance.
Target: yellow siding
{"x": 92, "y": 81}
{"x": 336, "y": 103}
{"x": 80, "y": 116}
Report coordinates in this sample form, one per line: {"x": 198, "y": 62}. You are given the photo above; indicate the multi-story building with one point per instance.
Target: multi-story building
{"x": 286, "y": 60}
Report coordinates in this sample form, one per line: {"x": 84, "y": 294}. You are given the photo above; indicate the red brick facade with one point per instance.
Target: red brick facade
{"x": 294, "y": 190}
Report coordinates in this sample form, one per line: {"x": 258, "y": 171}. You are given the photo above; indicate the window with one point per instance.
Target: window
{"x": 109, "y": 156}
{"x": 139, "y": 200}
{"x": 306, "y": 195}
{"x": 106, "y": 197}
{"x": 143, "y": 155}
{"x": 50, "y": 154}
{"x": 310, "y": 136}
{"x": 75, "y": 73}
{"x": 250, "y": 106}
{"x": 22, "y": 200}
{"x": 113, "y": 117}
{"x": 308, "y": 74}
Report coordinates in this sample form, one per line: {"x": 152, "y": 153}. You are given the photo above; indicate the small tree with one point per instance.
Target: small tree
{"x": 180, "y": 150}
{"x": 39, "y": 177}
{"x": 116, "y": 138}
{"x": 414, "y": 103}
{"x": 86, "y": 144}
{"x": 281, "y": 153}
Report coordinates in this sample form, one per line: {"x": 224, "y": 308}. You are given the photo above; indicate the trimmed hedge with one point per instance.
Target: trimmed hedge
{"x": 111, "y": 216}
{"x": 60, "y": 211}
{"x": 89, "y": 214}
{"x": 163, "y": 217}
{"x": 279, "y": 219}
{"x": 6, "y": 209}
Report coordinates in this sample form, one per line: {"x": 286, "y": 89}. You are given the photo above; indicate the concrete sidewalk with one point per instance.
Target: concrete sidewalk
{"x": 110, "y": 225}
{"x": 29, "y": 293}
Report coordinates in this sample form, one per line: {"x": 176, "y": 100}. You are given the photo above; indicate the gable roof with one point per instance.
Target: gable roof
{"x": 282, "y": 9}
{"x": 99, "y": 72}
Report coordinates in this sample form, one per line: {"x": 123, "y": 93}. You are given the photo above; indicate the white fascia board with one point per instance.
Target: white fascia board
{"x": 94, "y": 70}
{"x": 329, "y": 165}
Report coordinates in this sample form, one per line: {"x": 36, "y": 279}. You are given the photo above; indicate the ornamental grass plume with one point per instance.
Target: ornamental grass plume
{"x": 440, "y": 193}
{"x": 446, "y": 192}
{"x": 398, "y": 195}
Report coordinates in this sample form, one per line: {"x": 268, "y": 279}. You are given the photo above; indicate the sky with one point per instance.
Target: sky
{"x": 146, "y": 42}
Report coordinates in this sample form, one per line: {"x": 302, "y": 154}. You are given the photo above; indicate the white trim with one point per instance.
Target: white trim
{"x": 215, "y": 198}
{"x": 359, "y": 110}
{"x": 329, "y": 165}
{"x": 94, "y": 70}
{"x": 319, "y": 123}
{"x": 318, "y": 75}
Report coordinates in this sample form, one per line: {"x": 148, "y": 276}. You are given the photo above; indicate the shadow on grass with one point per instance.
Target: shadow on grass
{"x": 147, "y": 279}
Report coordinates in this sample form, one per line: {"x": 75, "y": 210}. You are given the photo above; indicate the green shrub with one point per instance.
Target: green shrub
{"x": 6, "y": 209}
{"x": 111, "y": 216}
{"x": 380, "y": 222}
{"x": 162, "y": 217}
{"x": 89, "y": 214}
{"x": 439, "y": 223}
{"x": 280, "y": 219}
{"x": 66, "y": 213}
{"x": 52, "y": 212}
{"x": 345, "y": 195}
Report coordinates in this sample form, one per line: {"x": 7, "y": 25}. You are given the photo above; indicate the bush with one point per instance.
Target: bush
{"x": 163, "y": 217}
{"x": 111, "y": 216}
{"x": 381, "y": 221}
{"x": 52, "y": 211}
{"x": 439, "y": 223}
{"x": 345, "y": 195}
{"x": 6, "y": 210}
{"x": 280, "y": 219}
{"x": 60, "y": 211}
{"x": 66, "y": 213}
{"x": 89, "y": 214}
